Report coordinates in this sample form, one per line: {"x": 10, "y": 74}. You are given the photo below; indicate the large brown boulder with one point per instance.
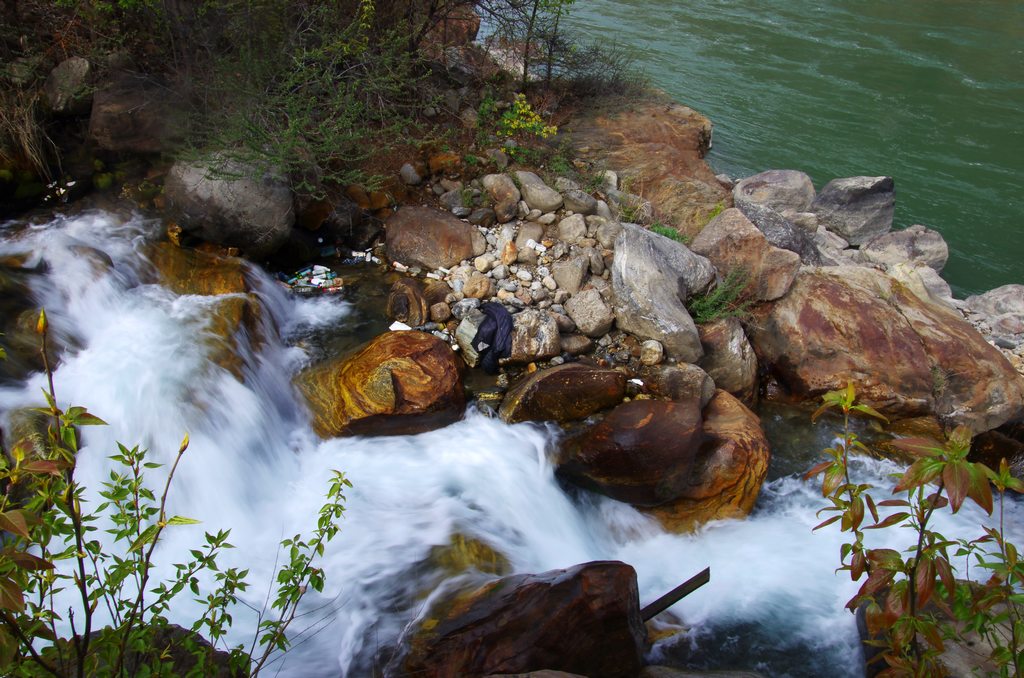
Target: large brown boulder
{"x": 399, "y": 383}
{"x": 732, "y": 243}
{"x": 727, "y": 472}
{"x": 664, "y": 146}
{"x": 641, "y": 453}
{"x": 907, "y": 357}
{"x": 428, "y": 237}
{"x": 583, "y": 620}
{"x": 563, "y": 393}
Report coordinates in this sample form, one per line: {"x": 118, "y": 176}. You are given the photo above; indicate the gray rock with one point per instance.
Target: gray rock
{"x": 857, "y": 208}
{"x": 537, "y": 194}
{"x": 610, "y": 181}
{"x": 498, "y": 157}
{"x": 231, "y": 203}
{"x": 452, "y": 200}
{"x": 607, "y": 232}
{"x": 603, "y": 210}
{"x": 924, "y": 282}
{"x": 409, "y": 175}
{"x": 917, "y": 243}
{"x": 461, "y": 309}
{"x": 651, "y": 352}
{"x": 632, "y": 207}
{"x": 534, "y": 337}
{"x": 547, "y": 219}
{"x": 67, "y": 87}
{"x": 729, "y": 358}
{"x": 592, "y": 316}
{"x": 571, "y": 273}
{"x": 576, "y": 344}
{"x": 679, "y": 382}
{"x": 780, "y": 190}
{"x": 527, "y": 232}
{"x": 563, "y": 184}
{"x": 466, "y": 332}
{"x": 597, "y": 266}
{"x": 652, "y": 276}
{"x": 782, "y": 233}
{"x": 996, "y": 302}
{"x": 136, "y": 114}
{"x": 572, "y": 229}
{"x": 732, "y": 243}
{"x": 579, "y": 201}
{"x": 565, "y": 323}
{"x": 483, "y": 216}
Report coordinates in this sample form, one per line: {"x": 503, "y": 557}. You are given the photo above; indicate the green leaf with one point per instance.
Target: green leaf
{"x": 834, "y": 477}
{"x": 921, "y": 472}
{"x": 147, "y": 536}
{"x": 181, "y": 520}
{"x": 870, "y": 411}
{"x": 921, "y": 447}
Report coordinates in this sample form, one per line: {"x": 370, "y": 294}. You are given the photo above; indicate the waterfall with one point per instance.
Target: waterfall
{"x": 131, "y": 352}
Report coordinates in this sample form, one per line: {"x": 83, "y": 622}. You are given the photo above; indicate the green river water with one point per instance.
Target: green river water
{"x": 930, "y": 92}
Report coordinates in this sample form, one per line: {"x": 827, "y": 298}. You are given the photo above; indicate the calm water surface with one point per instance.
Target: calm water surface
{"x": 928, "y": 91}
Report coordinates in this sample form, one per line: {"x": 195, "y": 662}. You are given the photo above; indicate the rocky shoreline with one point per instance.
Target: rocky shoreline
{"x": 602, "y": 337}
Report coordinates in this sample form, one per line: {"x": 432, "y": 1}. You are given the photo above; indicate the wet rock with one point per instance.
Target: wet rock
{"x": 915, "y": 244}
{"x": 534, "y": 337}
{"x": 641, "y": 452}
{"x": 67, "y": 87}
{"x": 399, "y": 383}
{"x": 583, "y": 620}
{"x": 780, "y": 190}
{"x": 727, "y": 472}
{"x": 732, "y": 243}
{"x": 564, "y": 393}
{"x": 407, "y": 303}
{"x": 576, "y": 344}
{"x": 230, "y": 203}
{"x": 464, "y": 553}
{"x": 537, "y": 194}
{"x": 196, "y": 272}
{"x": 905, "y": 356}
{"x": 135, "y": 113}
{"x": 651, "y": 278}
{"x": 679, "y": 382}
{"x": 729, "y": 358}
{"x": 592, "y": 316}
{"x": 857, "y": 208}
{"x": 428, "y": 237}
{"x": 482, "y": 216}
{"x": 668, "y": 672}
{"x": 783, "y": 233}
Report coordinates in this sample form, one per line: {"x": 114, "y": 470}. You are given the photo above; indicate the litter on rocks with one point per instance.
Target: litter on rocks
{"x": 312, "y": 280}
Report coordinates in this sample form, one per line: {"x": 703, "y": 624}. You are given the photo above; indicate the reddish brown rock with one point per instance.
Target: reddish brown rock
{"x": 563, "y": 393}
{"x": 428, "y": 237}
{"x": 399, "y": 383}
{"x": 407, "y": 302}
{"x": 905, "y": 356}
{"x": 727, "y": 472}
{"x": 583, "y": 620}
{"x": 732, "y": 243}
{"x": 195, "y": 272}
{"x": 663, "y": 145}
{"x": 641, "y": 453}
{"x": 444, "y": 162}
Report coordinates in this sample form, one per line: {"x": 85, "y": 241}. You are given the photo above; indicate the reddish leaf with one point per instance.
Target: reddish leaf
{"x": 14, "y": 521}
{"x": 876, "y": 581}
{"x": 834, "y": 477}
{"x": 856, "y": 512}
{"x": 41, "y": 466}
{"x": 894, "y": 502}
{"x": 978, "y": 487}
{"x": 945, "y": 573}
{"x": 870, "y": 411}
{"x": 920, "y": 447}
{"x": 858, "y": 565}
{"x": 11, "y": 597}
{"x": 924, "y": 582}
{"x": 816, "y": 469}
{"x": 27, "y": 561}
{"x": 921, "y": 472}
{"x": 931, "y": 633}
{"x": 826, "y": 523}
{"x": 871, "y": 507}
{"x": 956, "y": 479}
{"x": 889, "y": 521}
{"x": 886, "y": 558}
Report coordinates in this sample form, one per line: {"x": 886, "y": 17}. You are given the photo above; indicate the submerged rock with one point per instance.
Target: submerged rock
{"x": 400, "y": 383}
{"x": 642, "y": 452}
{"x": 584, "y": 620}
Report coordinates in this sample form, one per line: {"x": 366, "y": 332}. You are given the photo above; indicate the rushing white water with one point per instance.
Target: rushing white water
{"x": 129, "y": 352}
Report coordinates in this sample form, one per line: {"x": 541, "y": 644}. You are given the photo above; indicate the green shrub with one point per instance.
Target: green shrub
{"x": 669, "y": 232}
{"x": 46, "y": 522}
{"x": 725, "y": 300}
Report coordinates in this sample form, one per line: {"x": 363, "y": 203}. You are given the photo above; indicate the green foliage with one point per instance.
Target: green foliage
{"x": 47, "y": 523}
{"x": 726, "y": 300}
{"x": 913, "y": 600}
{"x": 715, "y": 211}
{"x": 669, "y": 232}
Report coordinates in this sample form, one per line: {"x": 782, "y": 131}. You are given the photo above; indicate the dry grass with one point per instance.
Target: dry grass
{"x": 23, "y": 142}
